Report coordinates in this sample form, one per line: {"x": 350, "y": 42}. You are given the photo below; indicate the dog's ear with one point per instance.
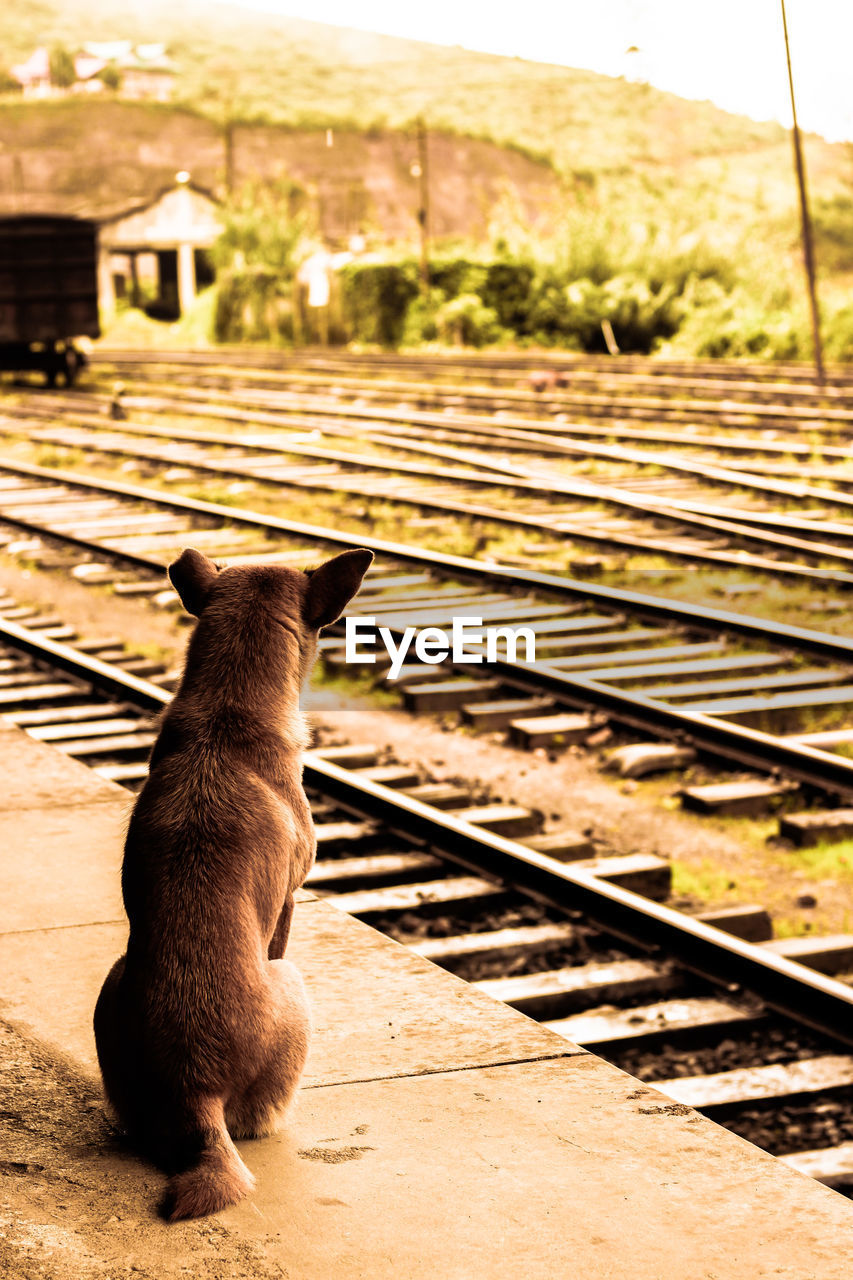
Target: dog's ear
{"x": 192, "y": 576}
{"x": 333, "y": 585}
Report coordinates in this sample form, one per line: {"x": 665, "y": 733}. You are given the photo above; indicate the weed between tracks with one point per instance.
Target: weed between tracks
{"x": 816, "y": 605}
{"x": 362, "y": 686}
{"x": 708, "y": 883}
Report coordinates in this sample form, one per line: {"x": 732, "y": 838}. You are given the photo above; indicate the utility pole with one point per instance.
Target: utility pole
{"x": 808, "y": 239}
{"x": 421, "y": 172}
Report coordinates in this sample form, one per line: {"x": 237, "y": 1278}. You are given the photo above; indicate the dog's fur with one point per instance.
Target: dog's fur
{"x": 202, "y": 1028}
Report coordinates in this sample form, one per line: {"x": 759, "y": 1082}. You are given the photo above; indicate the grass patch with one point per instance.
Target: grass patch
{"x": 153, "y": 651}
{"x": 824, "y": 861}
{"x": 218, "y": 493}
{"x": 703, "y": 884}
{"x": 361, "y": 684}
{"x": 709, "y": 885}
{"x": 48, "y": 455}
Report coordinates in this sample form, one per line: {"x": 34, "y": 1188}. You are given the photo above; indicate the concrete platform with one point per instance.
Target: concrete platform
{"x": 437, "y": 1135}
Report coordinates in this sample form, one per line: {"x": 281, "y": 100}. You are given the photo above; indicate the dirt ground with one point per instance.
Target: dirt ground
{"x": 716, "y": 860}
{"x": 72, "y": 1206}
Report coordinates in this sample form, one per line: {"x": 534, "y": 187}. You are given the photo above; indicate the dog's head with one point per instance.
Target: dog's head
{"x": 242, "y": 600}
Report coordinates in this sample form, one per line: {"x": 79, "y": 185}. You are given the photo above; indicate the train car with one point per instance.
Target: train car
{"x": 48, "y": 293}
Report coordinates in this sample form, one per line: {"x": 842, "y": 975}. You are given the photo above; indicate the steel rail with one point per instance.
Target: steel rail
{"x": 322, "y": 364}
{"x": 680, "y": 513}
{"x": 642, "y": 604}
{"x": 824, "y": 771}
{"x": 723, "y": 369}
{"x": 821, "y": 770}
{"x": 819, "y": 1002}
{"x": 84, "y": 667}
{"x": 566, "y": 446}
{"x": 510, "y": 432}
{"x": 590, "y": 402}
{"x": 809, "y": 997}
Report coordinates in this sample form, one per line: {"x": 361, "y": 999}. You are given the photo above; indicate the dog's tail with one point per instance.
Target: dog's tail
{"x": 217, "y": 1176}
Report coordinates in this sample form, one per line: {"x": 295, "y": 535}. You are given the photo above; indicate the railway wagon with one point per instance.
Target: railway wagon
{"x": 48, "y": 293}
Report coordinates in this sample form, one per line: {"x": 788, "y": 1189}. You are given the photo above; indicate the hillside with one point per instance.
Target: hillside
{"x": 601, "y": 132}
{"x": 97, "y": 158}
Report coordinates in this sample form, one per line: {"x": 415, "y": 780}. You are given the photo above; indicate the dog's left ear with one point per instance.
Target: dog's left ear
{"x": 192, "y": 576}
{"x": 333, "y": 585}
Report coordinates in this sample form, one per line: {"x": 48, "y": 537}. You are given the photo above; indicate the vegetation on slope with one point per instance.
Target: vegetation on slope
{"x": 680, "y": 219}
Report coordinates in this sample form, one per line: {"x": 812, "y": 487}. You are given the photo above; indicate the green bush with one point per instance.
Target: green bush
{"x": 454, "y": 276}
{"x": 420, "y": 323}
{"x": 467, "y": 321}
{"x": 838, "y": 333}
{"x": 375, "y": 298}
{"x": 564, "y": 314}
{"x": 507, "y": 289}
{"x": 266, "y": 225}
{"x": 572, "y": 314}
{"x": 720, "y": 324}
{"x": 253, "y": 305}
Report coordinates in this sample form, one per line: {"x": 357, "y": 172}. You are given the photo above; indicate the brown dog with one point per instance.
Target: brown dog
{"x": 202, "y": 1028}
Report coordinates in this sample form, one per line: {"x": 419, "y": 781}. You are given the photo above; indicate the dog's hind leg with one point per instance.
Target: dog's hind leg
{"x": 111, "y": 1043}
{"x": 278, "y": 941}
{"x": 260, "y": 1109}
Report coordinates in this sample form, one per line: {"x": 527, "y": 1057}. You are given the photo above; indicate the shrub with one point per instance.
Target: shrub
{"x": 467, "y": 321}
{"x": 265, "y": 233}
{"x": 454, "y": 276}
{"x": 253, "y": 305}
{"x": 838, "y": 333}
{"x": 564, "y": 314}
{"x": 737, "y": 324}
{"x": 507, "y": 289}
{"x": 375, "y": 298}
{"x": 833, "y": 233}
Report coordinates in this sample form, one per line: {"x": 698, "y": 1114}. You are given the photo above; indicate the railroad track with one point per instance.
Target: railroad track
{"x": 603, "y": 389}
{"x": 706, "y": 679}
{"x": 635, "y": 514}
{"x": 710, "y": 1009}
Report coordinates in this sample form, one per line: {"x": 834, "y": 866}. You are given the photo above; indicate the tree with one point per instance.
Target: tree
{"x": 61, "y": 64}
{"x": 8, "y": 83}
{"x": 111, "y": 76}
{"x": 264, "y": 226}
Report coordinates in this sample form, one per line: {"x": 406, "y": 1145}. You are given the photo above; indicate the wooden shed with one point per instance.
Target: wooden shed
{"x": 157, "y": 251}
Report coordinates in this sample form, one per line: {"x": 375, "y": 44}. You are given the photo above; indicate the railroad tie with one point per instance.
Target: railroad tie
{"x": 432, "y": 897}
{"x": 749, "y": 799}
{"x": 816, "y": 826}
{"x": 341, "y": 874}
{"x": 559, "y": 730}
{"x": 489, "y": 716}
{"x": 537, "y": 939}
{"x": 555, "y": 993}
{"x": 447, "y": 695}
{"x": 726, "y": 1089}
{"x": 612, "y": 1028}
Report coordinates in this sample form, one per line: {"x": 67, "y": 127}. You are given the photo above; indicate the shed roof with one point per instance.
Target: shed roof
{"x": 180, "y": 214}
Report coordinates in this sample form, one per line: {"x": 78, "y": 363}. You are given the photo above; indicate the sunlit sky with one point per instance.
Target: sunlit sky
{"x": 730, "y": 51}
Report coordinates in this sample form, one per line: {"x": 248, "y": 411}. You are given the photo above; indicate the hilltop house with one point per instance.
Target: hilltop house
{"x": 34, "y": 75}
{"x": 141, "y": 72}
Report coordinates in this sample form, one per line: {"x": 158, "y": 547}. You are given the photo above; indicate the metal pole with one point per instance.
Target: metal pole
{"x": 808, "y": 241}
{"x": 423, "y": 211}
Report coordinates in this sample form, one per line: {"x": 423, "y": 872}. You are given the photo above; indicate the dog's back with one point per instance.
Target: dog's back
{"x": 202, "y": 1027}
